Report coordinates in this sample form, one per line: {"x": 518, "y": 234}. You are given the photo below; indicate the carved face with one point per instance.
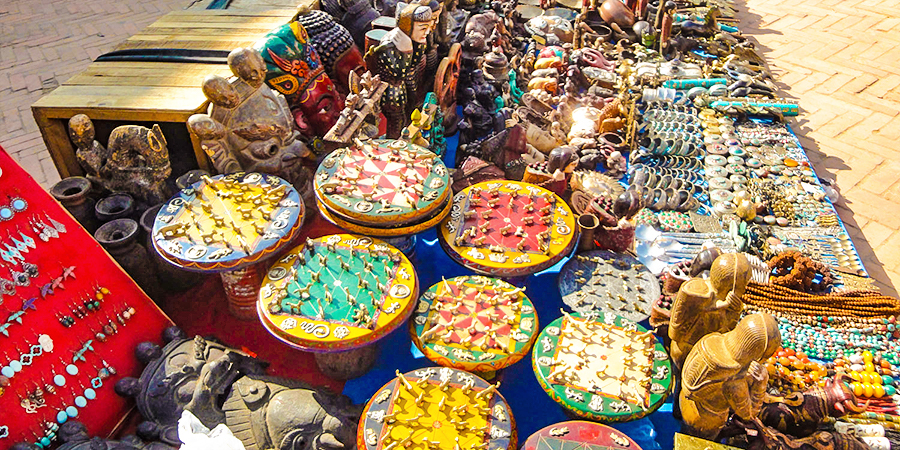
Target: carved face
{"x": 308, "y": 427}
{"x": 320, "y": 108}
{"x": 420, "y": 31}
{"x": 168, "y": 383}
{"x": 282, "y": 414}
{"x": 81, "y": 131}
{"x": 261, "y": 136}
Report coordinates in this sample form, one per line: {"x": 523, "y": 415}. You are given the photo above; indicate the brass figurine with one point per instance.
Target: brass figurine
{"x": 724, "y": 374}
{"x": 704, "y": 306}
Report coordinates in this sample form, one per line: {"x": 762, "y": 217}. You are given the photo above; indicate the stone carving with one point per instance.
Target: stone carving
{"x": 184, "y": 374}
{"x": 271, "y": 413}
{"x": 135, "y": 160}
{"x": 724, "y": 373}
{"x": 249, "y": 127}
{"x": 703, "y": 306}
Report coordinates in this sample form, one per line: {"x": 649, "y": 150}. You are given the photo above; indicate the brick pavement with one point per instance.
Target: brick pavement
{"x": 42, "y": 44}
{"x": 837, "y": 57}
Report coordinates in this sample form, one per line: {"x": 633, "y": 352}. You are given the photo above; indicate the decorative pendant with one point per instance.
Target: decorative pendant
{"x": 28, "y": 240}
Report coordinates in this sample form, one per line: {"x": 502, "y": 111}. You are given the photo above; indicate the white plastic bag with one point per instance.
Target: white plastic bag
{"x": 195, "y": 436}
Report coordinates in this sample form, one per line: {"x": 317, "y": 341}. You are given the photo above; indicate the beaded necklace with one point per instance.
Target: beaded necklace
{"x": 826, "y": 339}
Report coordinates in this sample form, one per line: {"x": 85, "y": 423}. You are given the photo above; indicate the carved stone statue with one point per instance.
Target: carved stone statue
{"x": 249, "y": 126}
{"x": 135, "y": 161}
{"x": 723, "y": 373}
{"x": 398, "y": 59}
{"x": 186, "y": 373}
{"x": 74, "y": 436}
{"x": 703, "y": 306}
{"x": 295, "y": 69}
{"x": 272, "y": 413}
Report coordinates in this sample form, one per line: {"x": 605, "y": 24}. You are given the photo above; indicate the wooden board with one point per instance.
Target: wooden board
{"x": 147, "y": 91}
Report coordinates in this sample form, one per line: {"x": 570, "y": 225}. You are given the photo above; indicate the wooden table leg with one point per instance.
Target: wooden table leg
{"x": 56, "y": 138}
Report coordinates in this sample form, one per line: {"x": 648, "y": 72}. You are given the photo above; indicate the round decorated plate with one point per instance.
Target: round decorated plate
{"x": 508, "y": 228}
{"x": 601, "y": 280}
{"x": 602, "y": 367}
{"x": 223, "y": 222}
{"x": 578, "y": 434}
{"x": 337, "y": 292}
{"x": 385, "y": 181}
{"x": 437, "y": 408}
{"x": 388, "y": 231}
{"x": 474, "y": 323}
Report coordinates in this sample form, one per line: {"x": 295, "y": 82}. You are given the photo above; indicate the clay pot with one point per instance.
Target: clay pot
{"x": 115, "y": 206}
{"x": 72, "y": 193}
{"x": 119, "y": 239}
{"x": 615, "y": 12}
{"x": 171, "y": 278}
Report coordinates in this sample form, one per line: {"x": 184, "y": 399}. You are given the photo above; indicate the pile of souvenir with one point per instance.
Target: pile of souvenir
{"x": 624, "y": 170}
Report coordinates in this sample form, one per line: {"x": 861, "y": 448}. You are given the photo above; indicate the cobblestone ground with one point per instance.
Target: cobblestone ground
{"x": 838, "y": 58}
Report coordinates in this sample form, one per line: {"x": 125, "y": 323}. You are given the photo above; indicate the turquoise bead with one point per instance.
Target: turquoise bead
{"x": 7, "y": 372}
{"x": 59, "y": 380}
{"x": 16, "y": 366}
{"x": 72, "y": 369}
{"x": 887, "y": 380}
{"x": 62, "y": 417}
{"x": 80, "y": 402}
{"x": 890, "y": 390}
{"x": 45, "y": 441}
{"x": 72, "y": 411}
{"x": 90, "y": 394}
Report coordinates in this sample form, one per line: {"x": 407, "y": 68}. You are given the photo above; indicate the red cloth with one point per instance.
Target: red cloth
{"x": 93, "y": 267}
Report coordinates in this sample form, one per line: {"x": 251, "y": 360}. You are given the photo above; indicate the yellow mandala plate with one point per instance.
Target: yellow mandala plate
{"x": 437, "y": 408}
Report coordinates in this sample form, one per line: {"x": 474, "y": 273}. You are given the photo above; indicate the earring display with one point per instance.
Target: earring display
{"x": 51, "y": 312}
{"x": 15, "y": 205}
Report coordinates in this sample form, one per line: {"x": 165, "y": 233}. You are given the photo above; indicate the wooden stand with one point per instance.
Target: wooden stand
{"x": 242, "y": 290}
{"x": 348, "y": 364}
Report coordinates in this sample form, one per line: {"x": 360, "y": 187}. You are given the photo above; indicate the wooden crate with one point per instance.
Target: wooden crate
{"x": 112, "y": 93}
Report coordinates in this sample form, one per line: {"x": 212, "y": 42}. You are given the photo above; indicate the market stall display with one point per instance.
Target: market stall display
{"x": 508, "y": 228}
{"x": 336, "y": 295}
{"x": 228, "y": 224}
{"x": 602, "y": 367}
{"x": 649, "y": 136}
{"x": 71, "y": 317}
{"x": 610, "y": 282}
{"x": 437, "y": 407}
{"x": 577, "y": 435}
{"x": 474, "y": 323}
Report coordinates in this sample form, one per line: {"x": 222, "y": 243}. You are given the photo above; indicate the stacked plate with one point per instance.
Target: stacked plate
{"x": 383, "y": 188}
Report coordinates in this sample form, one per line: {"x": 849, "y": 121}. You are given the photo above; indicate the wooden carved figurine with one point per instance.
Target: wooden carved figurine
{"x": 295, "y": 69}
{"x": 724, "y": 373}
{"x": 249, "y": 126}
{"x": 398, "y": 59}
{"x": 704, "y": 306}
{"x": 136, "y": 160}
{"x": 802, "y": 413}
